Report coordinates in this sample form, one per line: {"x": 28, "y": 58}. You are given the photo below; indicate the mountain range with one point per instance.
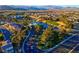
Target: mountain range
{"x": 20, "y": 7}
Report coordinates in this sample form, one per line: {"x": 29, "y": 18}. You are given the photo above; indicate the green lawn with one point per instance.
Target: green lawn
{"x": 52, "y": 23}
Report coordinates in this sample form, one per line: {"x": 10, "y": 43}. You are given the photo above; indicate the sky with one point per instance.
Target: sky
{"x": 39, "y": 2}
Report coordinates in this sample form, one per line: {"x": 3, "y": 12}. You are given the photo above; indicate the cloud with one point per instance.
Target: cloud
{"x": 39, "y": 2}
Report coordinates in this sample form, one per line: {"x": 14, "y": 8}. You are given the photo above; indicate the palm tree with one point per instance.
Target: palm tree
{"x": 18, "y": 36}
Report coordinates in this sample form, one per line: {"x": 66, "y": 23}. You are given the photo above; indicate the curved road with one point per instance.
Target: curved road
{"x": 26, "y": 47}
